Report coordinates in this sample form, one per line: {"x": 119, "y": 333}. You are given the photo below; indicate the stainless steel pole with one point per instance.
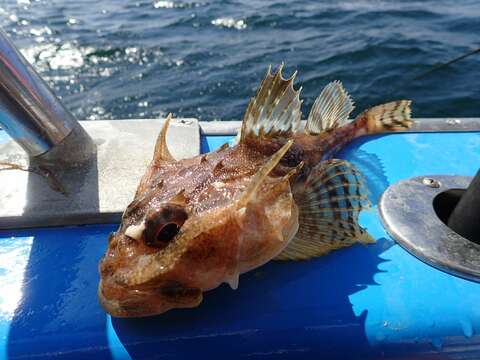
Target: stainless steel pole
{"x": 465, "y": 217}
{"x": 33, "y": 116}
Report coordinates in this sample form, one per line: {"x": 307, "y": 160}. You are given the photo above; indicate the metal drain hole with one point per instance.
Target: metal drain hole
{"x": 417, "y": 215}
{"x": 444, "y": 204}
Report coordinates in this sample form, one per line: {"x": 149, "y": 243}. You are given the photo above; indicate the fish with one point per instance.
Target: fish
{"x": 277, "y": 193}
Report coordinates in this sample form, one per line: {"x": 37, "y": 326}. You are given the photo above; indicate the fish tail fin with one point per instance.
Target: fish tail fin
{"x": 329, "y": 205}
{"x": 330, "y": 110}
{"x": 390, "y": 117}
{"x": 275, "y": 109}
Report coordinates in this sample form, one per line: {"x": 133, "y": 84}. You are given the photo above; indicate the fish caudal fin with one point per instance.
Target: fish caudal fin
{"x": 329, "y": 205}
{"x": 275, "y": 109}
{"x": 389, "y": 117}
{"x": 331, "y": 109}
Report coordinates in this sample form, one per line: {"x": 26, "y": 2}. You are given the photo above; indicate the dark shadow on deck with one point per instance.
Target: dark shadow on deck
{"x": 369, "y": 165}
{"x": 292, "y": 310}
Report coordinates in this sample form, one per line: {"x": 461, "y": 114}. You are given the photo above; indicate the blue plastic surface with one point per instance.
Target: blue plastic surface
{"x": 361, "y": 302}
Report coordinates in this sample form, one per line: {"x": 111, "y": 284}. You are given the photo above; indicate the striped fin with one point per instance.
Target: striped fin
{"x": 392, "y": 116}
{"x": 275, "y": 109}
{"x": 329, "y": 206}
{"x": 331, "y": 109}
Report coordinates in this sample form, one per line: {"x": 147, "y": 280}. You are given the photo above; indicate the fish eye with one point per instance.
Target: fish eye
{"x": 163, "y": 224}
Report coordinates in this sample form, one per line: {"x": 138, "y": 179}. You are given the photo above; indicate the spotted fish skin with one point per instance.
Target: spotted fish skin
{"x": 277, "y": 194}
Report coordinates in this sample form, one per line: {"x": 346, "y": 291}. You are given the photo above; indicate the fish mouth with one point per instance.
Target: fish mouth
{"x": 130, "y": 302}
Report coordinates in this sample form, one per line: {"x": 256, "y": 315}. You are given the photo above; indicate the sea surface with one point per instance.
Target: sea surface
{"x": 114, "y": 59}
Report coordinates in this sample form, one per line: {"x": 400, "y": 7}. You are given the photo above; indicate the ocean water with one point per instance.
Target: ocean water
{"x": 112, "y": 59}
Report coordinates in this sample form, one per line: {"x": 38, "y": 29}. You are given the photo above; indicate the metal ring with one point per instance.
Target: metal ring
{"x": 406, "y": 210}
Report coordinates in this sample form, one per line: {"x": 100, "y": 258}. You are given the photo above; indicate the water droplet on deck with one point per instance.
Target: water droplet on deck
{"x": 437, "y": 343}
{"x": 467, "y": 328}
{"x": 453, "y": 121}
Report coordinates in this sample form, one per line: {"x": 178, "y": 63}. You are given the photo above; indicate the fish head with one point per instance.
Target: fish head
{"x": 187, "y": 232}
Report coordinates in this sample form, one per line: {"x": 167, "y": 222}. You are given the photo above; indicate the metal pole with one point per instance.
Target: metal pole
{"x": 465, "y": 218}
{"x": 33, "y": 116}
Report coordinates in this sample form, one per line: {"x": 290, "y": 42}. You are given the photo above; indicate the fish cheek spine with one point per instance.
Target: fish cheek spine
{"x": 211, "y": 257}
{"x": 269, "y": 223}
{"x": 241, "y": 239}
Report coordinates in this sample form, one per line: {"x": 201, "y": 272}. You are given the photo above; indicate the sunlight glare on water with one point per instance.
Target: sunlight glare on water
{"x": 205, "y": 59}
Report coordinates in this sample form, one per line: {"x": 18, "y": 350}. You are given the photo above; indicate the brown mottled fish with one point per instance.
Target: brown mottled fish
{"x": 277, "y": 194}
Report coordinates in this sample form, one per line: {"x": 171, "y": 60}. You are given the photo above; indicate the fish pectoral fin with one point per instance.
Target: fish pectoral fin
{"x": 392, "y": 116}
{"x": 161, "y": 152}
{"x": 331, "y": 109}
{"x": 329, "y": 205}
{"x": 275, "y": 109}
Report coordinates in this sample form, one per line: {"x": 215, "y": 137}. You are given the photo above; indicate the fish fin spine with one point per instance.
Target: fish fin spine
{"x": 329, "y": 205}
{"x": 161, "y": 152}
{"x": 275, "y": 109}
{"x": 330, "y": 110}
{"x": 262, "y": 174}
{"x": 388, "y": 117}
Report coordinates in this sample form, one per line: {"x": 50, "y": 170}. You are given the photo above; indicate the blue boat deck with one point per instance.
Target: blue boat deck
{"x": 375, "y": 301}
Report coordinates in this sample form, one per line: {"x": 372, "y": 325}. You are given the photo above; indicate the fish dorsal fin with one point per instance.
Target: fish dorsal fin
{"x": 161, "y": 152}
{"x": 275, "y": 109}
{"x": 262, "y": 173}
{"x": 331, "y": 109}
{"x": 329, "y": 205}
